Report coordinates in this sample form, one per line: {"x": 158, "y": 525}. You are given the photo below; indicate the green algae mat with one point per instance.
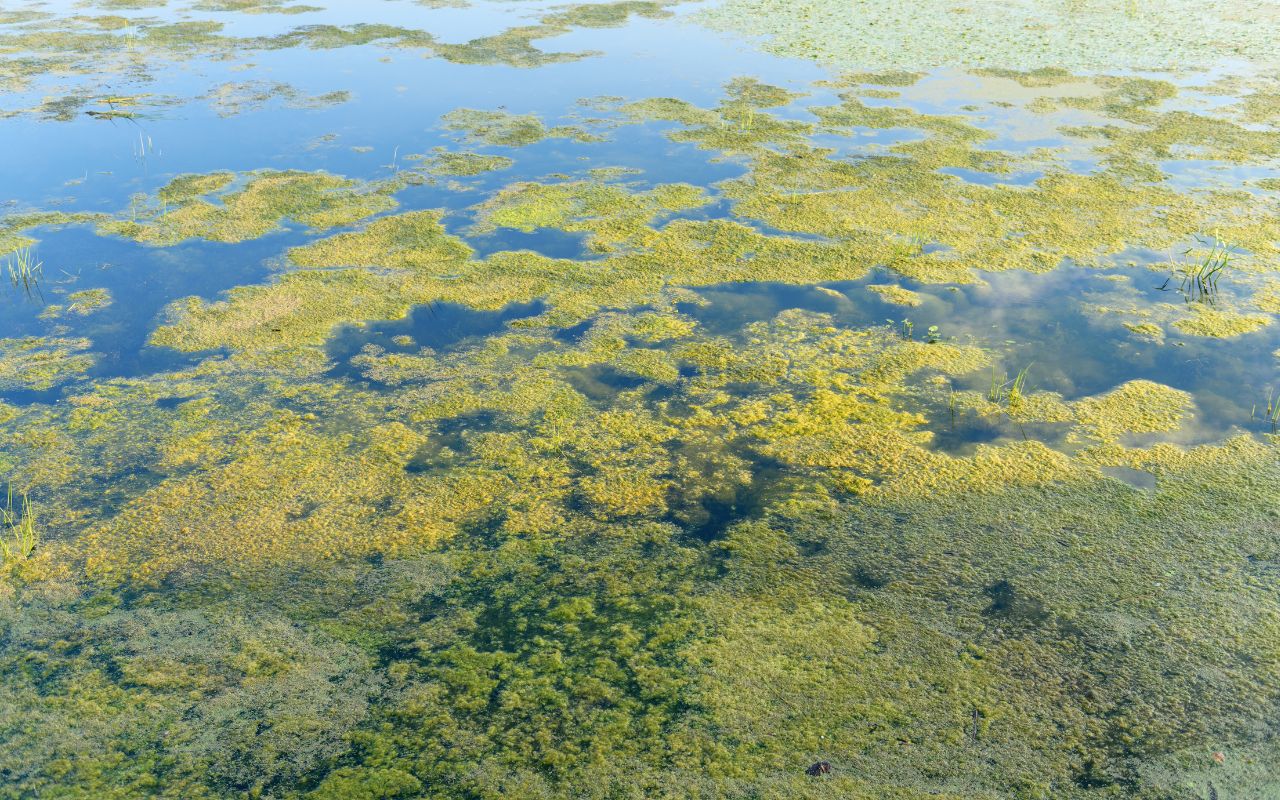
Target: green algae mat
{"x": 478, "y": 399}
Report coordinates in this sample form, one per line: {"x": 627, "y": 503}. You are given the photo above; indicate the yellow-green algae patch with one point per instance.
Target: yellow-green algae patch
{"x": 1267, "y": 298}
{"x": 1220, "y": 323}
{"x": 824, "y": 406}
{"x": 611, "y": 214}
{"x": 81, "y": 303}
{"x": 185, "y": 208}
{"x": 298, "y": 308}
{"x": 885, "y": 209}
{"x": 608, "y": 15}
{"x": 1134, "y": 407}
{"x": 1184, "y": 134}
{"x": 893, "y": 293}
{"x": 461, "y": 164}
{"x": 254, "y": 6}
{"x": 865, "y": 600}
{"x": 185, "y": 188}
{"x": 42, "y": 363}
{"x": 896, "y": 78}
{"x": 15, "y": 228}
{"x": 415, "y": 240}
{"x": 507, "y": 129}
{"x": 1147, "y": 330}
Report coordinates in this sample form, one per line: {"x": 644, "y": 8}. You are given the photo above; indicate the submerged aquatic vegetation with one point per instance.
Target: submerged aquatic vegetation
{"x": 612, "y": 553}
{"x": 230, "y": 99}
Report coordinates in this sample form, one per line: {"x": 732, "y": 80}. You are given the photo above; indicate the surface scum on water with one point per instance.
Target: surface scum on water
{"x": 452, "y": 399}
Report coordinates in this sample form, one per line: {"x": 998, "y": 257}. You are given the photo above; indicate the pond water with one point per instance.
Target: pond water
{"x": 636, "y": 399}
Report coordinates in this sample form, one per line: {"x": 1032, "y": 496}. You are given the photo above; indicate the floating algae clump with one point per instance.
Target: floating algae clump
{"x": 415, "y": 240}
{"x": 1147, "y": 330}
{"x": 298, "y": 308}
{"x": 507, "y": 129}
{"x": 893, "y": 293}
{"x": 1134, "y": 407}
{"x": 185, "y": 188}
{"x": 1267, "y": 298}
{"x": 14, "y": 228}
{"x": 447, "y": 162}
{"x": 316, "y": 199}
{"x": 1220, "y": 323}
{"x": 41, "y": 364}
{"x": 902, "y": 211}
{"x": 607, "y": 15}
{"x": 610, "y": 214}
{"x": 184, "y": 523}
{"x": 254, "y": 6}
{"x": 231, "y": 99}
{"x": 81, "y": 303}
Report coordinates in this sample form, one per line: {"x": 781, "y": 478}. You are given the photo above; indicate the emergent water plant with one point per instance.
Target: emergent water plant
{"x": 18, "y": 537}
{"x": 1198, "y": 278}
{"x": 1008, "y": 393}
{"x": 24, "y": 270}
{"x": 1271, "y": 411}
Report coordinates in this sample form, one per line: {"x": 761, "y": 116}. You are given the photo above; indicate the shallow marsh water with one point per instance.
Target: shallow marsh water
{"x": 496, "y": 399}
